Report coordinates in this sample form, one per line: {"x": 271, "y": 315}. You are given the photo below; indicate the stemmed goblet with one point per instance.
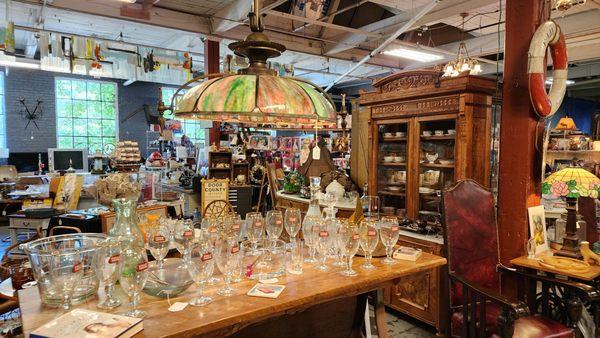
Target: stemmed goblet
{"x": 158, "y": 243}
{"x": 369, "y": 237}
{"x": 389, "y": 232}
{"x": 183, "y": 237}
{"x": 255, "y": 229}
{"x": 201, "y": 267}
{"x": 310, "y": 230}
{"x": 274, "y": 224}
{"x": 108, "y": 266}
{"x": 228, "y": 255}
{"x": 323, "y": 242}
{"x": 133, "y": 277}
{"x": 349, "y": 243}
{"x": 65, "y": 273}
{"x": 293, "y": 222}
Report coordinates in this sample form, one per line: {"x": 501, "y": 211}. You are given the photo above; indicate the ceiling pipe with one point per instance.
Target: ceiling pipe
{"x": 387, "y": 41}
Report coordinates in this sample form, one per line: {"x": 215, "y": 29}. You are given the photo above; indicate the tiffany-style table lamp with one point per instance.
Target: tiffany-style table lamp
{"x": 571, "y": 183}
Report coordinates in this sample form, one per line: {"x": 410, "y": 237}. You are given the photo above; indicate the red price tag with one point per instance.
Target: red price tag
{"x": 114, "y": 259}
{"x": 77, "y": 267}
{"x": 257, "y": 224}
{"x": 265, "y": 290}
{"x": 159, "y": 238}
{"x": 235, "y": 227}
{"x": 324, "y": 234}
{"x": 395, "y": 228}
{"x": 212, "y": 230}
{"x": 355, "y": 237}
{"x": 235, "y": 249}
{"x": 206, "y": 257}
{"x": 292, "y": 219}
{"x": 141, "y": 266}
{"x": 188, "y": 233}
{"x": 372, "y": 233}
{"x": 278, "y": 222}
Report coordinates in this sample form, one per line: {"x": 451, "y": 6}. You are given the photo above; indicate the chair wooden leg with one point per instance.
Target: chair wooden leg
{"x": 574, "y": 310}
{"x": 506, "y": 323}
{"x": 380, "y": 316}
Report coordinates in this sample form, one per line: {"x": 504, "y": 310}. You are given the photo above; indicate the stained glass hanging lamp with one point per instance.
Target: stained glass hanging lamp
{"x": 256, "y": 95}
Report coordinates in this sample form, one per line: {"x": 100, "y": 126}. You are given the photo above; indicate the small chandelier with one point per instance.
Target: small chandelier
{"x": 463, "y": 62}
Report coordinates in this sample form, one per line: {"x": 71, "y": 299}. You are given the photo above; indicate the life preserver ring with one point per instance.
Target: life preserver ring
{"x": 547, "y": 35}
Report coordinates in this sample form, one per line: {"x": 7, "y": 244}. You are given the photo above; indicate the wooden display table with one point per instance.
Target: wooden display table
{"x": 532, "y": 264}
{"x": 314, "y": 304}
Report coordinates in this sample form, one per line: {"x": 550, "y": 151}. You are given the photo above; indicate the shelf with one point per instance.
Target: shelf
{"x": 573, "y": 151}
{"x": 219, "y": 168}
{"x": 393, "y": 139}
{"x": 438, "y": 138}
{"x": 393, "y": 164}
{"x": 392, "y": 193}
{"x": 437, "y": 165}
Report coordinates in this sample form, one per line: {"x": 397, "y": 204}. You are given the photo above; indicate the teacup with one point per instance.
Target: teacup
{"x": 388, "y": 159}
{"x": 388, "y": 135}
{"x": 426, "y": 133}
{"x": 400, "y": 134}
{"x": 399, "y": 159}
{"x": 431, "y": 157}
{"x": 439, "y": 133}
{"x": 451, "y": 131}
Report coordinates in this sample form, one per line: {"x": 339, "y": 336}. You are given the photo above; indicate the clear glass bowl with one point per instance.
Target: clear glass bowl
{"x": 40, "y": 253}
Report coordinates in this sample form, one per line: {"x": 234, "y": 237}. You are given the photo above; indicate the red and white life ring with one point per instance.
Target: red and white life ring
{"x": 547, "y": 35}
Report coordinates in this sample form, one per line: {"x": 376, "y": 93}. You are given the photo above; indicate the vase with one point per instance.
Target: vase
{"x": 126, "y": 230}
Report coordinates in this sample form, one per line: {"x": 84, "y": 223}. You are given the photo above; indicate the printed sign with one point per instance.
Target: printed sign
{"x": 214, "y": 190}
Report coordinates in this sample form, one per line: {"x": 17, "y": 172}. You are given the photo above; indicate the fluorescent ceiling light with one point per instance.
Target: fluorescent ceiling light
{"x": 549, "y": 81}
{"x": 412, "y": 54}
{"x": 19, "y": 64}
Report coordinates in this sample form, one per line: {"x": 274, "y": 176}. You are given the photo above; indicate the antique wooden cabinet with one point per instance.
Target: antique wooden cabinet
{"x": 425, "y": 133}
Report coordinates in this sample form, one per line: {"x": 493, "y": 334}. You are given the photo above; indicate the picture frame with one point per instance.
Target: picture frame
{"x": 537, "y": 228}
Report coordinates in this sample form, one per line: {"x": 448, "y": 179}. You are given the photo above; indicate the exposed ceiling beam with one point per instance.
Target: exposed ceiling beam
{"x": 236, "y": 13}
{"x": 386, "y": 26}
{"x": 350, "y": 30}
{"x": 333, "y": 11}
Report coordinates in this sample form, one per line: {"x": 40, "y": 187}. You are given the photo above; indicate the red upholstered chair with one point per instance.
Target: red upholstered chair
{"x": 477, "y": 308}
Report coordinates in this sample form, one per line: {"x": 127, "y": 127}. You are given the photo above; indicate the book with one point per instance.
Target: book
{"x": 407, "y": 253}
{"x": 89, "y": 324}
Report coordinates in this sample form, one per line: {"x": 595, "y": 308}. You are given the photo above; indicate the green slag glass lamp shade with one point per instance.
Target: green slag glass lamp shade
{"x": 258, "y": 100}
{"x": 572, "y": 182}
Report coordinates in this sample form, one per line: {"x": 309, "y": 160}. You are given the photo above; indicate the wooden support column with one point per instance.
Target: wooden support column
{"x": 211, "y": 65}
{"x": 520, "y": 164}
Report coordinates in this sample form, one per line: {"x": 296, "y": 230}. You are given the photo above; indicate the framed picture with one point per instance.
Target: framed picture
{"x": 537, "y": 228}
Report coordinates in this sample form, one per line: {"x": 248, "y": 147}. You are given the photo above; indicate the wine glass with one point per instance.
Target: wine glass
{"x": 310, "y": 230}
{"x": 274, "y": 224}
{"x": 201, "y": 267}
{"x": 65, "y": 273}
{"x": 158, "y": 243}
{"x": 108, "y": 266}
{"x": 389, "y": 233}
{"x": 255, "y": 229}
{"x": 292, "y": 222}
{"x": 133, "y": 277}
{"x": 323, "y": 243}
{"x": 233, "y": 226}
{"x": 227, "y": 256}
{"x": 369, "y": 238}
{"x": 183, "y": 237}
{"x": 340, "y": 229}
{"x": 330, "y": 200}
{"x": 349, "y": 243}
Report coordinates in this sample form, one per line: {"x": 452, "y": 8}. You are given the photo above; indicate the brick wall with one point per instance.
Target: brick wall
{"x": 34, "y": 84}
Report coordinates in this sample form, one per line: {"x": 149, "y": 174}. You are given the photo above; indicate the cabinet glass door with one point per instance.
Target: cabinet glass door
{"x": 436, "y": 166}
{"x": 392, "y": 158}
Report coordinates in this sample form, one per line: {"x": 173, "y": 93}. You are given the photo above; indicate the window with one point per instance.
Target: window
{"x": 192, "y": 129}
{"x": 86, "y": 114}
{"x": 2, "y": 113}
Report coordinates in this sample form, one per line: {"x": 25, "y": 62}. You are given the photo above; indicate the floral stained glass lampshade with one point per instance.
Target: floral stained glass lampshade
{"x": 572, "y": 182}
